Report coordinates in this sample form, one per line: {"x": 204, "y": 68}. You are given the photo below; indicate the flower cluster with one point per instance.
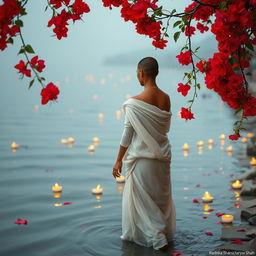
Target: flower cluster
{"x": 50, "y": 92}
{"x": 69, "y": 12}
{"x": 233, "y": 22}
{"x": 234, "y": 28}
{"x": 8, "y": 11}
{"x": 34, "y": 63}
{"x": 137, "y": 12}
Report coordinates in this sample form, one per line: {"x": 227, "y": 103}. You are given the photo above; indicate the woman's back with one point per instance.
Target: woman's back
{"x": 156, "y": 97}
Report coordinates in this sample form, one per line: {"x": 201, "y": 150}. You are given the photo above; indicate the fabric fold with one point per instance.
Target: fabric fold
{"x": 148, "y": 210}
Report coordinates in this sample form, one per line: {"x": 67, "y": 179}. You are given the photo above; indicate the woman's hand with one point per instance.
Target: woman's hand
{"x": 117, "y": 169}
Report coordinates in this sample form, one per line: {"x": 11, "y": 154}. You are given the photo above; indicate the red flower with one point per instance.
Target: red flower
{"x": 109, "y": 3}
{"x": 79, "y": 8}
{"x": 204, "y": 217}
{"x": 186, "y": 114}
{"x": 241, "y": 230}
{"x": 22, "y": 68}
{"x": 37, "y": 64}
{"x": 183, "y": 89}
{"x": 219, "y": 214}
{"x": 199, "y": 185}
{"x": 250, "y": 106}
{"x": 196, "y": 201}
{"x": 176, "y": 253}
{"x": 58, "y": 3}
{"x": 184, "y": 58}
{"x": 21, "y": 221}
{"x": 50, "y": 92}
{"x": 60, "y": 23}
{"x": 202, "y": 66}
{"x": 210, "y": 210}
{"x": 209, "y": 233}
{"x": 237, "y": 204}
{"x": 237, "y": 241}
{"x": 8, "y": 10}
{"x": 160, "y": 43}
{"x": 201, "y": 27}
{"x": 190, "y": 29}
{"x": 67, "y": 203}
{"x": 233, "y": 137}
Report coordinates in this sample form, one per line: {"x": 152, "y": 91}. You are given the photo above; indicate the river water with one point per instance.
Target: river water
{"x": 91, "y": 225}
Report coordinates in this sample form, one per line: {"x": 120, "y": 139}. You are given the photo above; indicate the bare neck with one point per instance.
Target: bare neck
{"x": 150, "y": 84}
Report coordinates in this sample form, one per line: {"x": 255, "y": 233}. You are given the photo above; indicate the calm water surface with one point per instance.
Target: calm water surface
{"x": 90, "y": 225}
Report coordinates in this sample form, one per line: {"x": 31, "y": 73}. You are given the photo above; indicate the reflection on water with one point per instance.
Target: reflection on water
{"x": 74, "y": 143}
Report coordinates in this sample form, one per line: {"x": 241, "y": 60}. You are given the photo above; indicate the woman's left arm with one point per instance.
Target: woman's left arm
{"x": 117, "y": 169}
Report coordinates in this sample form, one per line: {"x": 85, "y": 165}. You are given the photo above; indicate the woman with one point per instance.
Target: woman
{"x": 148, "y": 210}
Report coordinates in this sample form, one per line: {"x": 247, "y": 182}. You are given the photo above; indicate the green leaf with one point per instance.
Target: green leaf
{"x": 223, "y": 6}
{"x": 189, "y": 101}
{"x": 42, "y": 78}
{"x": 197, "y": 48}
{"x": 31, "y": 83}
{"x": 158, "y": 11}
{"x": 166, "y": 35}
{"x": 198, "y": 86}
{"x": 185, "y": 47}
{"x": 29, "y": 49}
{"x": 23, "y": 13}
{"x": 19, "y": 23}
{"x": 21, "y": 51}
{"x": 177, "y": 23}
{"x": 237, "y": 111}
{"x": 248, "y": 73}
{"x": 249, "y": 46}
{"x": 10, "y": 40}
{"x": 46, "y": 8}
{"x": 176, "y": 36}
{"x": 173, "y": 11}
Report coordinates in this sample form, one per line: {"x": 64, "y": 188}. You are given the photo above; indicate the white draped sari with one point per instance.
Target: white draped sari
{"x": 148, "y": 210}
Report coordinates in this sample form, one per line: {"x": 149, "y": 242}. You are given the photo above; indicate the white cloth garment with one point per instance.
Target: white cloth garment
{"x": 148, "y": 210}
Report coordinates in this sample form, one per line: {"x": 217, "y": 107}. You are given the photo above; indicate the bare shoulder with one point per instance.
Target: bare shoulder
{"x": 138, "y": 97}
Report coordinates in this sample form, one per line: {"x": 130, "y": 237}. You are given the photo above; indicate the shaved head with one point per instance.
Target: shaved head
{"x": 149, "y": 65}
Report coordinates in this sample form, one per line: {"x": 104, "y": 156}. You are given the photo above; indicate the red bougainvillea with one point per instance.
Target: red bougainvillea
{"x": 233, "y": 22}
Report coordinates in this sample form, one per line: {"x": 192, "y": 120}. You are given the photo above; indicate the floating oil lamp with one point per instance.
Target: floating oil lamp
{"x": 237, "y": 184}
{"x": 57, "y": 194}
{"x": 250, "y": 135}
{"x": 243, "y": 140}
{"x": 63, "y": 141}
{"x": 56, "y": 188}
{"x": 71, "y": 140}
{"x": 226, "y": 218}
{"x": 229, "y": 149}
{"x": 14, "y": 145}
{"x": 100, "y": 116}
{"x": 120, "y": 179}
{"x": 200, "y": 150}
{"x": 210, "y": 141}
{"x": 98, "y": 190}
{"x": 206, "y": 208}
{"x": 210, "y": 146}
{"x": 185, "y": 147}
{"x": 91, "y": 148}
{"x": 207, "y": 198}
{"x": 96, "y": 139}
{"x": 222, "y": 137}
{"x": 185, "y": 153}
{"x": 118, "y": 114}
{"x": 253, "y": 161}
{"x": 200, "y": 143}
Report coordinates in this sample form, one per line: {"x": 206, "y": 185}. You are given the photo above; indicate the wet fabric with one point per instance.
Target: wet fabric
{"x": 148, "y": 210}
